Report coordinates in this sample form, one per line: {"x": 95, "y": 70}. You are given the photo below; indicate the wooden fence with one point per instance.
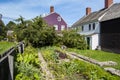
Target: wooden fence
{"x": 7, "y": 62}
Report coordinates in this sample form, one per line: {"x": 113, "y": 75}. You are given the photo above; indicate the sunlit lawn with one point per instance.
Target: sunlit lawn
{"x": 4, "y": 46}
{"x": 99, "y": 55}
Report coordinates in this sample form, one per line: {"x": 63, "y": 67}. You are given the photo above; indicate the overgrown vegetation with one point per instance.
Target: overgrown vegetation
{"x": 35, "y": 32}
{"x": 72, "y": 39}
{"x": 28, "y": 65}
{"x": 4, "y": 46}
{"x": 2, "y": 30}
{"x": 72, "y": 69}
{"x": 38, "y": 33}
{"x": 99, "y": 55}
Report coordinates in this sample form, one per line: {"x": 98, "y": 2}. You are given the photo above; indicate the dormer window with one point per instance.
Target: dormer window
{"x": 59, "y": 18}
{"x": 89, "y": 26}
{"x": 93, "y": 26}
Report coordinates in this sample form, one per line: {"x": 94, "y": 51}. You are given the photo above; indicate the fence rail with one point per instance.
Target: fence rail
{"x": 7, "y": 62}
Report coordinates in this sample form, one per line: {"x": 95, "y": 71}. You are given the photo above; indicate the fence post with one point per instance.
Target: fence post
{"x": 11, "y": 66}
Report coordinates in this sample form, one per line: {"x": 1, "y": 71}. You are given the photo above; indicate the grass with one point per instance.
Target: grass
{"x": 99, "y": 55}
{"x": 5, "y": 46}
{"x": 74, "y": 69}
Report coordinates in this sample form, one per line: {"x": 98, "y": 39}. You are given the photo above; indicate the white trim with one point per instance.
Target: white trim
{"x": 56, "y": 27}
{"x": 102, "y": 16}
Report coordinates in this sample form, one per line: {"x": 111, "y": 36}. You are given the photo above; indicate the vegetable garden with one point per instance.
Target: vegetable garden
{"x": 27, "y": 65}
{"x": 73, "y": 69}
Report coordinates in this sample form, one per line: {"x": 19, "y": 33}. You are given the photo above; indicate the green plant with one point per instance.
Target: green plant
{"x": 28, "y": 65}
{"x": 74, "y": 69}
{"x": 73, "y": 40}
{"x": 99, "y": 55}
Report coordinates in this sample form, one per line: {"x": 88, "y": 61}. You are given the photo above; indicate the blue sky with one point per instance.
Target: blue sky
{"x": 70, "y": 10}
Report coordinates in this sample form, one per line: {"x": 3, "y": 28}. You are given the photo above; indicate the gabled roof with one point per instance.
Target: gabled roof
{"x": 101, "y": 15}
{"x": 52, "y": 18}
{"x": 112, "y": 13}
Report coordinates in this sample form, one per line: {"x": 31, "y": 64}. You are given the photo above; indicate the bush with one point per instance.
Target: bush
{"x": 35, "y": 32}
{"x": 72, "y": 39}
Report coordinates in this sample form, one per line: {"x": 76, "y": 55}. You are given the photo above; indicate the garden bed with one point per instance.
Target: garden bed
{"x": 27, "y": 65}
{"x": 68, "y": 68}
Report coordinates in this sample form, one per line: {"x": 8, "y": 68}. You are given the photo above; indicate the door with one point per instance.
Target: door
{"x": 88, "y": 42}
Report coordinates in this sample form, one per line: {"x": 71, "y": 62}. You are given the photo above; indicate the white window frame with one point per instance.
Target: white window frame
{"x": 62, "y": 27}
{"x": 56, "y": 27}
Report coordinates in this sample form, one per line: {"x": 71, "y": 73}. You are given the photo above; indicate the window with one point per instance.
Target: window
{"x": 59, "y": 18}
{"x": 56, "y": 27}
{"x": 82, "y": 28}
{"x": 62, "y": 27}
{"x": 93, "y": 26}
{"x": 89, "y": 26}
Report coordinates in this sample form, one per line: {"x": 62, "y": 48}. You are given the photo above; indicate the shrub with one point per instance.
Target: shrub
{"x": 72, "y": 39}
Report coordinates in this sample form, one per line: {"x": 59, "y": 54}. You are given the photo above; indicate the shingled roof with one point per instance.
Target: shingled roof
{"x": 112, "y": 13}
{"x": 101, "y": 15}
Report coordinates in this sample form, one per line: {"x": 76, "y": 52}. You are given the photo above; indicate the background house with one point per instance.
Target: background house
{"x": 101, "y": 28}
{"x": 54, "y": 19}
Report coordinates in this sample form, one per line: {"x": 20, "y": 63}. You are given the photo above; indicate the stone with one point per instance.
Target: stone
{"x": 113, "y": 71}
{"x": 107, "y": 63}
{"x": 63, "y": 47}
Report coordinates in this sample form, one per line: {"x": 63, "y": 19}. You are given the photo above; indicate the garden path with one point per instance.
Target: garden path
{"x": 48, "y": 74}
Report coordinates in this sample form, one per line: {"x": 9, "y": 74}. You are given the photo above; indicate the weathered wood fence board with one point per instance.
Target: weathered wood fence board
{"x": 7, "y": 62}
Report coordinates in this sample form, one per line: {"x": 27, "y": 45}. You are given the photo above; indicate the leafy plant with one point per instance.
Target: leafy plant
{"x": 73, "y": 40}
{"x": 74, "y": 69}
{"x": 28, "y": 65}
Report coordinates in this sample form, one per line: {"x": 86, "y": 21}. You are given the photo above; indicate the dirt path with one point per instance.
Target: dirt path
{"x": 48, "y": 74}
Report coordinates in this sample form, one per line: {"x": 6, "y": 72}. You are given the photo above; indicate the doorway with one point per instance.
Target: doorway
{"x": 88, "y": 40}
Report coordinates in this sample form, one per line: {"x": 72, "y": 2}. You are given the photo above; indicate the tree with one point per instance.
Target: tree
{"x": 35, "y": 32}
{"x": 72, "y": 39}
{"x": 2, "y": 30}
{"x": 11, "y": 25}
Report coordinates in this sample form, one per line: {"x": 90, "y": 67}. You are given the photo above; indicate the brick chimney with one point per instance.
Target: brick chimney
{"x": 108, "y": 3}
{"x": 88, "y": 10}
{"x": 51, "y": 9}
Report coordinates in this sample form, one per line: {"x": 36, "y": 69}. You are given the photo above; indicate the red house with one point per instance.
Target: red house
{"x": 54, "y": 19}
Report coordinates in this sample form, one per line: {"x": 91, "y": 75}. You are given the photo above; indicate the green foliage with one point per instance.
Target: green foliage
{"x": 99, "y": 55}
{"x": 28, "y": 65}
{"x": 74, "y": 69}
{"x": 2, "y": 30}
{"x": 11, "y": 25}
{"x": 73, "y": 40}
{"x": 35, "y": 32}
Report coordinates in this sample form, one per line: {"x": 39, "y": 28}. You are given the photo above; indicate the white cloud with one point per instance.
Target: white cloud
{"x": 68, "y": 8}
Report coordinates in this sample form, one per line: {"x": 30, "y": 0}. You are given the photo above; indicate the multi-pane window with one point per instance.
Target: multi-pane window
{"x": 82, "y": 28}
{"x": 56, "y": 27}
{"x": 62, "y": 27}
{"x": 89, "y": 26}
{"x": 93, "y": 26}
